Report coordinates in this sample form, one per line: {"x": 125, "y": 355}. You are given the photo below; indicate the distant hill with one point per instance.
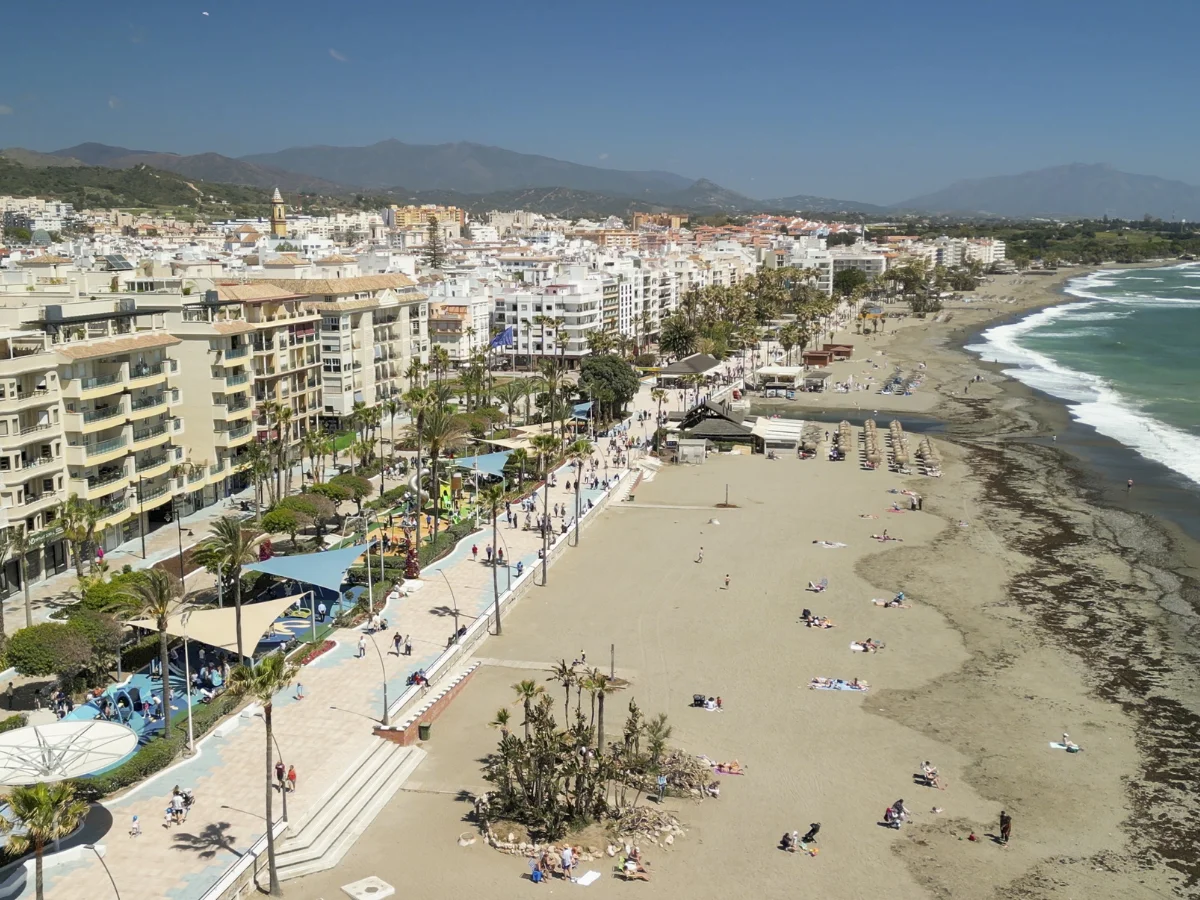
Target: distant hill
{"x": 36, "y": 160}
{"x": 809, "y": 203}
{"x": 138, "y": 186}
{"x": 470, "y": 168}
{"x": 1076, "y": 190}
{"x": 201, "y": 166}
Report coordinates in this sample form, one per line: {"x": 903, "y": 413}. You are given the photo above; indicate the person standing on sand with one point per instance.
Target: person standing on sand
{"x": 700, "y": 556}
{"x": 1005, "y": 827}
{"x": 1129, "y": 485}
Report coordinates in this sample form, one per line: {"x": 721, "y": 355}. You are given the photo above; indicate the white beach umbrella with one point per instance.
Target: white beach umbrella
{"x": 68, "y": 748}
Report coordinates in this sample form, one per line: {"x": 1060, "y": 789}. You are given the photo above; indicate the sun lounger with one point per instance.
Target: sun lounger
{"x": 837, "y": 684}
{"x": 817, "y": 587}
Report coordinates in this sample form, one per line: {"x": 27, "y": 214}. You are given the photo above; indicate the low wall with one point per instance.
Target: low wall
{"x": 478, "y": 630}
{"x": 427, "y": 713}
{"x": 244, "y": 876}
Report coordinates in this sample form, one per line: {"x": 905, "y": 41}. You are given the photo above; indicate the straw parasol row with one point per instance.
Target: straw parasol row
{"x": 929, "y": 456}
{"x": 844, "y": 436}
{"x": 900, "y": 454}
{"x": 810, "y": 436}
{"x": 871, "y": 444}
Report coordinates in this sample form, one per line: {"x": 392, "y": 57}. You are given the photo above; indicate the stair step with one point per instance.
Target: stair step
{"x": 335, "y": 799}
{"x": 346, "y": 828}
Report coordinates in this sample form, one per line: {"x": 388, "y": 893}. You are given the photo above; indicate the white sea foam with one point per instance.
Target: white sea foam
{"x": 1090, "y": 399}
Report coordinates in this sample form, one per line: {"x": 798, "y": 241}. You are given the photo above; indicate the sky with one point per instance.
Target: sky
{"x": 868, "y": 101}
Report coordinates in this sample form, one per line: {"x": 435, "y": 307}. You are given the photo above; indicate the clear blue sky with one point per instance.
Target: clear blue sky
{"x": 866, "y": 101}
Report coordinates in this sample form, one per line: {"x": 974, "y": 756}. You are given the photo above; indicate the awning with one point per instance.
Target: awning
{"x": 489, "y": 464}
{"x": 582, "y": 410}
{"x": 326, "y": 568}
{"x": 218, "y": 627}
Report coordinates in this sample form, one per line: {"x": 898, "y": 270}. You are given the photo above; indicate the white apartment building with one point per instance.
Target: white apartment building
{"x": 552, "y": 320}
{"x": 987, "y": 251}
{"x": 869, "y": 263}
{"x": 460, "y": 317}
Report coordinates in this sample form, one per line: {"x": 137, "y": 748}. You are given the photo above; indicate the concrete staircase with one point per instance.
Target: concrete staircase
{"x": 346, "y": 809}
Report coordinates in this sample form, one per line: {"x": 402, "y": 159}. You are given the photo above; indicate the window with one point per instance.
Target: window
{"x": 4, "y": 426}
{"x": 47, "y": 484}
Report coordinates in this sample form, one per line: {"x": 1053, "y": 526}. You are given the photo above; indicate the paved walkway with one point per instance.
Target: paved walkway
{"x": 321, "y": 735}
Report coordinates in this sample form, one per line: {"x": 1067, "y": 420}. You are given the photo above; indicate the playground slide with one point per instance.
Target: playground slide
{"x": 412, "y": 485}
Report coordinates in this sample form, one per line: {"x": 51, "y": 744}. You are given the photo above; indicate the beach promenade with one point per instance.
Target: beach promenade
{"x": 322, "y": 735}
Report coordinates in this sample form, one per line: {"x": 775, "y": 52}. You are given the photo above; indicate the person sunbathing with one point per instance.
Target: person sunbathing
{"x": 870, "y": 646}
{"x": 631, "y": 868}
{"x": 868, "y": 516}
{"x": 729, "y": 768}
{"x": 820, "y": 622}
{"x": 931, "y": 776}
{"x": 817, "y": 586}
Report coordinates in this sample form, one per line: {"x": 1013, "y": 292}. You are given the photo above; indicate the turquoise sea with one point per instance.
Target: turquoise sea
{"x": 1125, "y": 357}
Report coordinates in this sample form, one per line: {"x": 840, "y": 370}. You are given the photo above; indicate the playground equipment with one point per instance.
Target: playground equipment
{"x": 422, "y": 497}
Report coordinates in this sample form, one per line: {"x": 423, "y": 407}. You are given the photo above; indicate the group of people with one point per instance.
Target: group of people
{"x": 813, "y": 621}
{"x": 286, "y": 776}
{"x": 791, "y": 840}
{"x": 177, "y": 810}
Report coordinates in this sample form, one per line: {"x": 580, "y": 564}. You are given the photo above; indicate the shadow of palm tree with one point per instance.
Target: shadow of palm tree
{"x": 441, "y": 611}
{"x": 208, "y": 843}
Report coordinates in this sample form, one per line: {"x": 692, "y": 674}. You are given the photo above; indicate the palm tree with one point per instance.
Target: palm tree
{"x": 491, "y": 497}
{"x": 527, "y": 692}
{"x": 579, "y": 452}
{"x": 312, "y": 445}
{"x": 544, "y": 445}
{"x": 520, "y": 456}
{"x": 418, "y": 406}
{"x": 44, "y": 813}
{"x": 156, "y": 598}
{"x": 444, "y": 430}
{"x": 362, "y": 448}
{"x": 552, "y": 378}
{"x": 658, "y": 732}
{"x": 658, "y": 395}
{"x": 603, "y": 686}
{"x": 503, "y": 716}
{"x": 5, "y": 548}
{"x": 392, "y": 407}
{"x": 565, "y": 675}
{"x": 20, "y": 546}
{"x": 230, "y": 548}
{"x": 263, "y": 682}
{"x": 78, "y": 518}
{"x": 510, "y": 393}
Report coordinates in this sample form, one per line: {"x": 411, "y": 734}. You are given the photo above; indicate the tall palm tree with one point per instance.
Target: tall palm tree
{"x": 156, "y": 597}
{"x": 520, "y": 456}
{"x": 392, "y": 407}
{"x": 492, "y": 497}
{"x": 20, "y": 546}
{"x": 532, "y": 387}
{"x": 230, "y": 548}
{"x": 78, "y": 518}
{"x": 552, "y": 378}
{"x": 503, "y": 717}
{"x": 579, "y": 452}
{"x": 5, "y": 549}
{"x": 510, "y": 393}
{"x": 44, "y": 813}
{"x": 283, "y": 453}
{"x": 312, "y": 445}
{"x": 658, "y": 395}
{"x": 545, "y": 445}
{"x": 444, "y": 431}
{"x": 565, "y": 675}
{"x": 527, "y": 692}
{"x": 418, "y": 406}
{"x": 603, "y": 686}
{"x": 263, "y": 682}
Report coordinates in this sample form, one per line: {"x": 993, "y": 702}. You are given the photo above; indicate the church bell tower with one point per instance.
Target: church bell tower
{"x": 278, "y": 216}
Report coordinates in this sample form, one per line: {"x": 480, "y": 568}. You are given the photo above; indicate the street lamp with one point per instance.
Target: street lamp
{"x": 279, "y": 756}
{"x": 187, "y": 683}
{"x": 107, "y": 872}
{"x": 383, "y": 669}
{"x": 453, "y": 600}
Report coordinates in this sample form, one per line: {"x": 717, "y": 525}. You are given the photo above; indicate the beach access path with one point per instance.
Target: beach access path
{"x": 321, "y": 735}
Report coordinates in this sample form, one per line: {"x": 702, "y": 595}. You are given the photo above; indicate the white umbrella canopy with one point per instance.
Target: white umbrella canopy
{"x": 68, "y": 748}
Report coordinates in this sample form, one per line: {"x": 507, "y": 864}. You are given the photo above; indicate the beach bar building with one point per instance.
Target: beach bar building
{"x": 779, "y": 379}
{"x": 710, "y": 422}
{"x": 816, "y": 382}
{"x": 839, "y": 351}
{"x": 697, "y": 364}
{"x": 819, "y": 358}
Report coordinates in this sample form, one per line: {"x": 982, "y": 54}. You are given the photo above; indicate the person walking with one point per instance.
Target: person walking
{"x": 291, "y": 779}
{"x": 362, "y": 646}
{"x": 662, "y": 788}
{"x": 280, "y": 773}
{"x": 1005, "y": 827}
{"x": 726, "y": 581}
{"x": 475, "y": 552}
{"x": 700, "y": 556}
{"x": 398, "y": 642}
{"x": 488, "y": 552}
{"x": 408, "y": 646}
{"x": 322, "y": 611}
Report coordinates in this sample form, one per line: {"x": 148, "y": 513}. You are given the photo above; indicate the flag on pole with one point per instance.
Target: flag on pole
{"x": 503, "y": 339}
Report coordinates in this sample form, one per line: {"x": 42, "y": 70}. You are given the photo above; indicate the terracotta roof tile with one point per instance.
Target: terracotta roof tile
{"x": 117, "y": 346}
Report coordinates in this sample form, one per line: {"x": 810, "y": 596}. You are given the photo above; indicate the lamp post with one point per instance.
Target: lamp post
{"x": 453, "y": 600}
{"x": 141, "y": 516}
{"x": 279, "y": 756}
{"x": 187, "y": 683}
{"x": 179, "y": 529}
{"x": 107, "y": 871}
{"x": 383, "y": 669}
{"x": 220, "y": 588}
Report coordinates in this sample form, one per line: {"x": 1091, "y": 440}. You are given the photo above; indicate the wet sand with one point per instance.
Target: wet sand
{"x": 1030, "y": 621}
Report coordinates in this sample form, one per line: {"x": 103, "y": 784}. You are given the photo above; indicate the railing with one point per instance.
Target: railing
{"x": 237, "y": 407}
{"x": 151, "y": 463}
{"x": 240, "y": 431}
{"x": 197, "y": 475}
{"x": 177, "y": 424}
{"x": 235, "y": 352}
{"x": 151, "y": 495}
{"x": 99, "y": 381}
{"x": 34, "y": 429}
{"x": 38, "y": 463}
{"x": 144, "y": 434}
{"x": 99, "y": 415}
{"x": 94, "y": 481}
{"x": 29, "y": 395}
{"x": 234, "y": 380}
{"x": 147, "y": 402}
{"x": 106, "y": 446}
{"x": 33, "y": 501}
{"x": 145, "y": 371}
{"x": 111, "y": 509}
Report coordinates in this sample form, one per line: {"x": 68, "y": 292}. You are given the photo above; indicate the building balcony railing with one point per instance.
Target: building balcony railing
{"x": 106, "y": 446}
{"x": 234, "y": 380}
{"x": 34, "y": 429}
{"x": 99, "y": 415}
{"x": 235, "y": 352}
{"x": 97, "y": 381}
{"x": 145, "y": 434}
{"x": 95, "y": 482}
{"x": 152, "y": 462}
{"x": 147, "y": 402}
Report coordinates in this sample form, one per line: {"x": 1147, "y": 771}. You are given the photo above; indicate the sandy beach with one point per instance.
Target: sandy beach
{"x": 1030, "y": 618}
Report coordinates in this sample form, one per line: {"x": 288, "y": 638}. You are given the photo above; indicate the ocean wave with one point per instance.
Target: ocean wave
{"x": 1090, "y": 399}
{"x": 1102, "y": 316}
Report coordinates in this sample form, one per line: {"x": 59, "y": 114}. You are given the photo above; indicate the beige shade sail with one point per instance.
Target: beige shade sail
{"x": 218, "y": 627}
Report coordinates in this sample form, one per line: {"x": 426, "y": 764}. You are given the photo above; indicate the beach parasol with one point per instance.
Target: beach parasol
{"x": 68, "y": 748}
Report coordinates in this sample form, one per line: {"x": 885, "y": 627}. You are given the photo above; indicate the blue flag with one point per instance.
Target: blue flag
{"x": 503, "y": 339}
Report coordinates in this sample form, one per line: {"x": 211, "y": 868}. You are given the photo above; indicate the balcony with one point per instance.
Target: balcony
{"x": 21, "y": 474}
{"x": 174, "y": 398}
{"x": 266, "y": 347}
{"x": 234, "y": 381}
{"x": 235, "y": 353}
{"x": 146, "y": 375}
{"x": 111, "y": 514}
{"x": 30, "y": 433}
{"x": 95, "y": 486}
{"x": 30, "y": 400}
{"x": 31, "y": 505}
{"x": 234, "y": 437}
{"x": 148, "y": 437}
{"x": 95, "y": 454}
{"x": 153, "y": 466}
{"x": 150, "y": 497}
{"x": 146, "y": 406}
{"x": 94, "y": 386}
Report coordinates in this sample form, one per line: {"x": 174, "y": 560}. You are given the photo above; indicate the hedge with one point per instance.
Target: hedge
{"x": 20, "y": 720}
{"x": 158, "y": 753}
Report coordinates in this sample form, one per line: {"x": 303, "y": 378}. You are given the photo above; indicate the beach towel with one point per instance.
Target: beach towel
{"x": 1059, "y": 745}
{"x": 833, "y": 545}
{"x": 837, "y": 684}
{"x": 856, "y": 646}
{"x": 587, "y": 878}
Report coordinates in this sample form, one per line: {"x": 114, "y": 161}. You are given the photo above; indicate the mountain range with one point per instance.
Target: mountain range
{"x": 474, "y": 175}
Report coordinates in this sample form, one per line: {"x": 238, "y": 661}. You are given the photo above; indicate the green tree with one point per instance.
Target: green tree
{"x": 78, "y": 519}
{"x": 357, "y": 487}
{"x": 610, "y": 376}
{"x": 435, "y": 246}
{"x": 49, "y": 648}
{"x": 17, "y": 234}
{"x": 678, "y": 336}
{"x": 527, "y": 692}
{"x": 20, "y": 546}
{"x": 157, "y": 596}
{"x": 847, "y": 281}
{"x": 43, "y": 814}
{"x": 444, "y": 431}
{"x": 519, "y": 458}
{"x": 285, "y": 521}
{"x": 272, "y": 674}
{"x": 228, "y": 549}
